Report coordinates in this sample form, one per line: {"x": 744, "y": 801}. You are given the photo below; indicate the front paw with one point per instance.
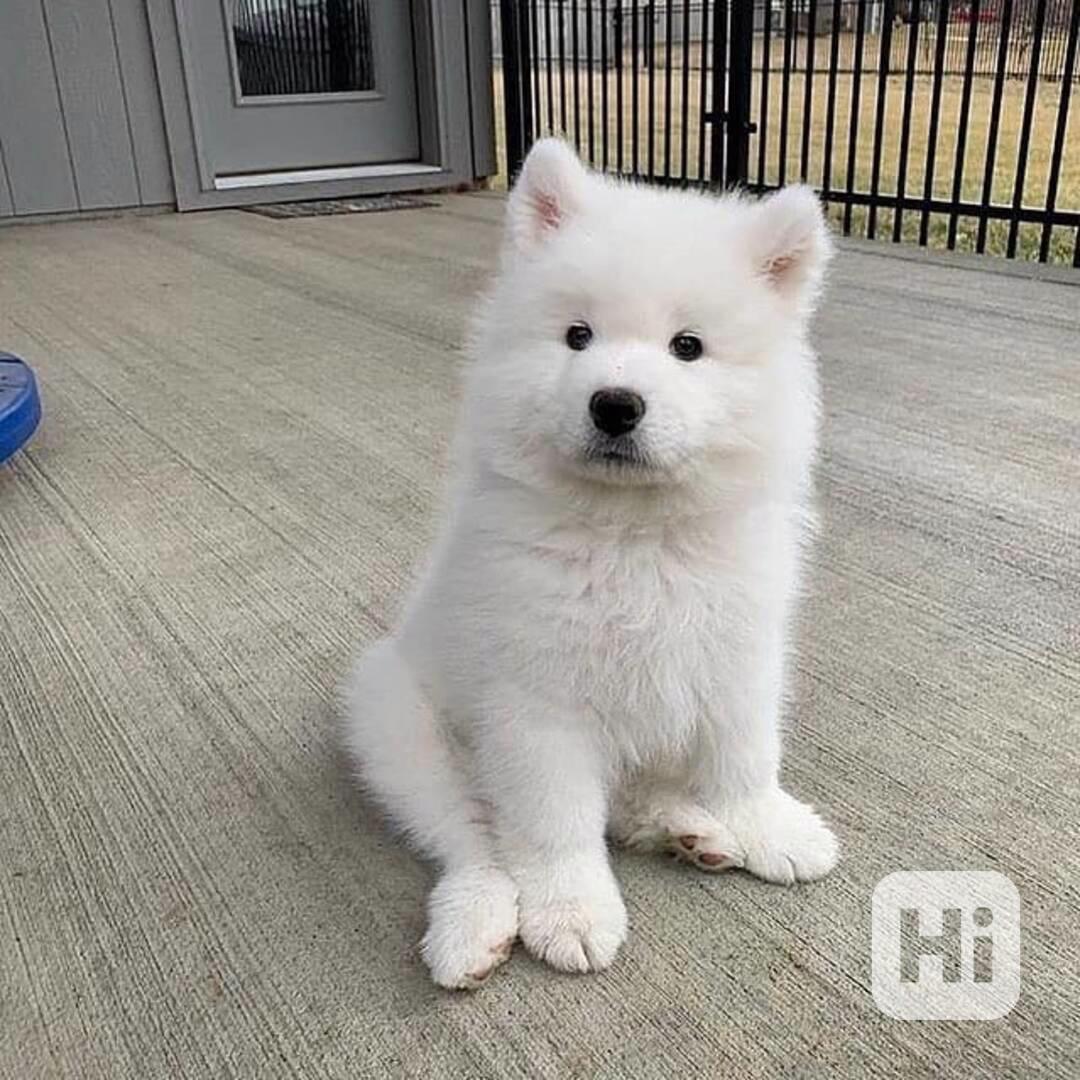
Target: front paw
{"x": 781, "y": 839}
{"x": 473, "y": 920}
{"x": 576, "y": 921}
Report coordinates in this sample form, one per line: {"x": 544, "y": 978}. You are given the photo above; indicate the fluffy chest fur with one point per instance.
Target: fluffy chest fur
{"x": 633, "y": 628}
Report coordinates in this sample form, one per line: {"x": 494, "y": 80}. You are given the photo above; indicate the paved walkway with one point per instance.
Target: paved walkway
{"x": 246, "y": 421}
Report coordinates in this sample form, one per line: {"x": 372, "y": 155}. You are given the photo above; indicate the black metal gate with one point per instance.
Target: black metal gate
{"x": 941, "y": 122}
{"x": 536, "y": 55}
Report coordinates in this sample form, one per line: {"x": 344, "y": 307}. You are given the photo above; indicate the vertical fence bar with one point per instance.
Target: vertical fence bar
{"x": 1025, "y": 130}
{"x": 668, "y": 113}
{"x": 564, "y": 97}
{"x": 853, "y": 128}
{"x": 618, "y": 86}
{"x": 905, "y": 127}
{"x": 995, "y": 121}
{"x": 649, "y": 43}
{"x": 1059, "y": 133}
{"x": 549, "y": 67}
{"x": 605, "y": 120}
{"x": 884, "y": 66}
{"x": 830, "y": 101}
{"x": 719, "y": 93}
{"x": 808, "y": 91}
{"x": 941, "y": 31}
{"x": 763, "y": 107}
{"x": 635, "y": 119}
{"x": 512, "y": 107}
{"x": 576, "y": 45}
{"x": 703, "y": 100}
{"x": 538, "y": 98}
{"x": 740, "y": 86}
{"x": 602, "y": 26}
{"x": 684, "y": 144}
{"x": 785, "y": 90}
{"x": 560, "y": 12}
{"x": 529, "y": 120}
{"x": 590, "y": 122}
{"x": 962, "y": 123}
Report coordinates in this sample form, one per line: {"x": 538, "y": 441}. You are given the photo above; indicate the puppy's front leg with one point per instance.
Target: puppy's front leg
{"x": 736, "y": 776}
{"x": 546, "y": 782}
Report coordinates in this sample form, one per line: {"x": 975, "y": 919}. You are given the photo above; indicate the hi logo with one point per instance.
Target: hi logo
{"x": 946, "y": 945}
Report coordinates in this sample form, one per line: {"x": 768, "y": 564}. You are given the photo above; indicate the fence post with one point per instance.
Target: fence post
{"x": 740, "y": 68}
{"x": 718, "y": 115}
{"x": 515, "y": 66}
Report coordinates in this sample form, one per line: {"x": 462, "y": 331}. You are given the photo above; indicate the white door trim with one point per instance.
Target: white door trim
{"x": 315, "y": 176}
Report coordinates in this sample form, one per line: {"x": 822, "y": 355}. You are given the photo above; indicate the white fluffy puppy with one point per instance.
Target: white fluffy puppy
{"x": 598, "y": 645}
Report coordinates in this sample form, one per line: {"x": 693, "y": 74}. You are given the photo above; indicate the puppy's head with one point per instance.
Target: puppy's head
{"x": 645, "y": 337}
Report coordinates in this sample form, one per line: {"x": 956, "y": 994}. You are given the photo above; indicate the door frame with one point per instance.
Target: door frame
{"x": 454, "y": 98}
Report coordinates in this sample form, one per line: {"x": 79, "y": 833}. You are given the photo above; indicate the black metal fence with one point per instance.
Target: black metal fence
{"x": 988, "y": 20}
{"x": 984, "y": 23}
{"x": 946, "y": 123}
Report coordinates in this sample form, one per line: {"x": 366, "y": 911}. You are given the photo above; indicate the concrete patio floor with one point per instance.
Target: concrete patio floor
{"x": 246, "y": 425}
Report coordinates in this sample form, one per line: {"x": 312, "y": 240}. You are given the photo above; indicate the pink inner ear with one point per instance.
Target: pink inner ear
{"x": 547, "y": 210}
{"x": 780, "y": 267}
{"x": 783, "y": 269}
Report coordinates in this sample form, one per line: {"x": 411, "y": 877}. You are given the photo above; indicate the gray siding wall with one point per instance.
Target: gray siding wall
{"x": 81, "y": 124}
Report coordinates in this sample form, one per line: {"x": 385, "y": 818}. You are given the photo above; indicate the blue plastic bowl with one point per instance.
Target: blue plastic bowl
{"x": 20, "y": 406}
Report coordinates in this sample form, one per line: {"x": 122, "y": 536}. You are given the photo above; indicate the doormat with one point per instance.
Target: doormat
{"x": 369, "y": 204}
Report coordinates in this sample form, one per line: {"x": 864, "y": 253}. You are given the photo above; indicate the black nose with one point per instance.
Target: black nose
{"x": 615, "y": 412}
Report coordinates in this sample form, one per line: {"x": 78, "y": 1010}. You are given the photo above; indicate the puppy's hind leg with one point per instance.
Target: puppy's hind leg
{"x": 656, "y": 818}
{"x": 407, "y": 764}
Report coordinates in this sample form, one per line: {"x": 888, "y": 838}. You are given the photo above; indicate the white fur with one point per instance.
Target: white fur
{"x": 600, "y": 648}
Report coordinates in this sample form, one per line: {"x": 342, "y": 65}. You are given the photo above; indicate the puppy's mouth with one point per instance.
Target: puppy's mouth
{"x": 621, "y": 453}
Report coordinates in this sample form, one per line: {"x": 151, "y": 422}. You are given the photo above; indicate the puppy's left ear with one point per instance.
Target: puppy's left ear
{"x": 790, "y": 243}
{"x": 547, "y": 196}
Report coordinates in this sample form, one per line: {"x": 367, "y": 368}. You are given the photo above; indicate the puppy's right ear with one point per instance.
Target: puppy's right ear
{"x": 549, "y": 192}
{"x": 790, "y": 243}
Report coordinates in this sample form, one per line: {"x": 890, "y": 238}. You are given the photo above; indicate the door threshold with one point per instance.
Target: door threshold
{"x": 313, "y": 176}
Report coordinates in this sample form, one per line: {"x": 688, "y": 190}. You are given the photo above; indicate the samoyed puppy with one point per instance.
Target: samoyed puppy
{"x": 597, "y": 648}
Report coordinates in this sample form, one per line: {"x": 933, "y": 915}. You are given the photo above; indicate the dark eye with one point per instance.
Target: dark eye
{"x": 686, "y": 346}
{"x": 578, "y": 336}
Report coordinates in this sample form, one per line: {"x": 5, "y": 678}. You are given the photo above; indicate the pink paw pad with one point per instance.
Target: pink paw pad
{"x": 695, "y": 849}
{"x": 499, "y": 955}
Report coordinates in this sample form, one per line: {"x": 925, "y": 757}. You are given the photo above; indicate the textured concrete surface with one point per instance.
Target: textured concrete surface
{"x": 240, "y": 463}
